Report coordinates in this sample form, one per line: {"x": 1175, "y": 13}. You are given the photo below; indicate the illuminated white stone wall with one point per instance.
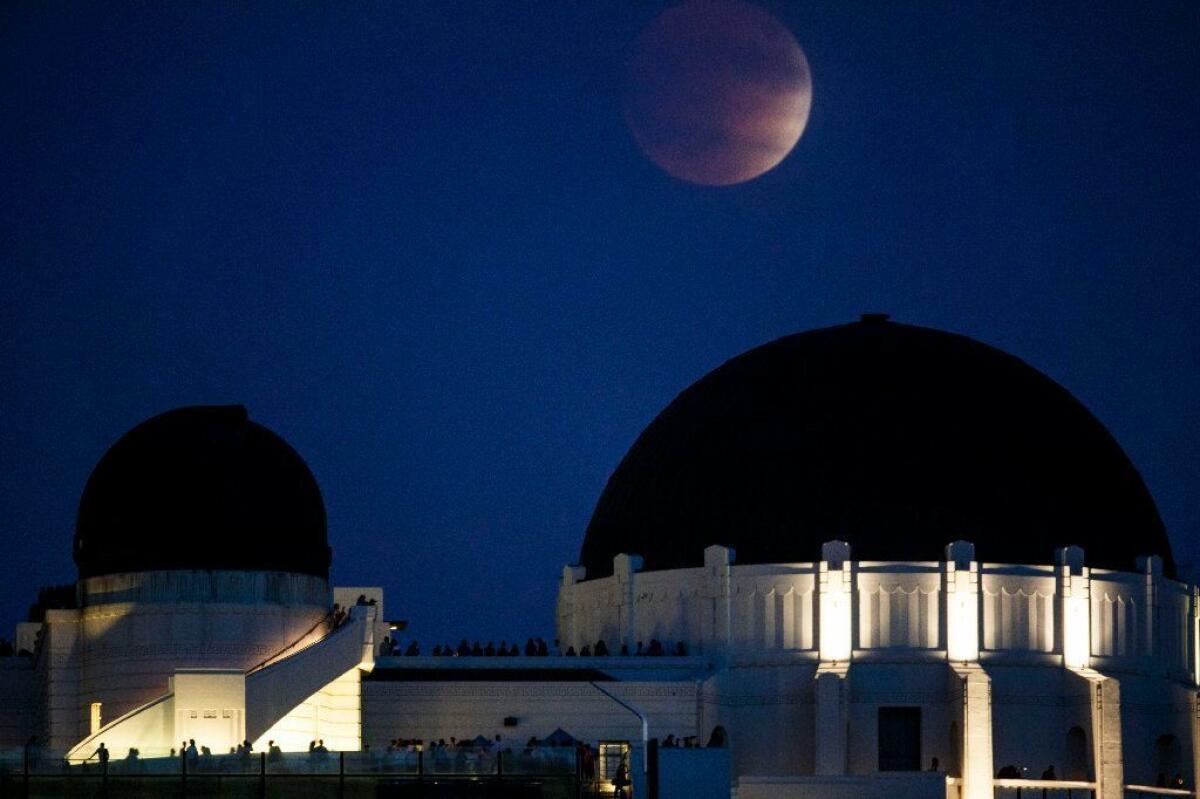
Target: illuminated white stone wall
{"x": 133, "y": 631}
{"x": 1010, "y": 664}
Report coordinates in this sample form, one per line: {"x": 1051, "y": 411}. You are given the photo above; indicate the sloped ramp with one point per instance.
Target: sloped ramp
{"x": 141, "y": 728}
{"x": 280, "y": 687}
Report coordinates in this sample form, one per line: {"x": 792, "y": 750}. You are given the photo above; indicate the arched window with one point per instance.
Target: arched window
{"x": 1077, "y": 765}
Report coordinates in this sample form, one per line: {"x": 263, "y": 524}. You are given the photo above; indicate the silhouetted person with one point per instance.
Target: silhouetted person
{"x": 542, "y": 649}
{"x": 413, "y": 650}
{"x": 102, "y": 756}
{"x": 620, "y": 780}
{"x": 934, "y": 764}
{"x": 464, "y": 648}
{"x": 570, "y": 652}
{"x": 530, "y": 648}
{"x": 1049, "y": 774}
{"x": 668, "y": 742}
{"x": 274, "y": 753}
{"x": 476, "y": 650}
{"x": 585, "y": 652}
{"x": 680, "y": 649}
{"x": 362, "y": 599}
{"x": 490, "y": 649}
{"x": 601, "y": 649}
{"x": 717, "y": 739}
{"x": 625, "y": 649}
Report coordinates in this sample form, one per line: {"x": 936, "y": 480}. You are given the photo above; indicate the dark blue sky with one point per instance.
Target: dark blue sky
{"x": 417, "y": 241}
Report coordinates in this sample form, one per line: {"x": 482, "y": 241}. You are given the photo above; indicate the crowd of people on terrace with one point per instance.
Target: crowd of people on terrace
{"x": 534, "y": 647}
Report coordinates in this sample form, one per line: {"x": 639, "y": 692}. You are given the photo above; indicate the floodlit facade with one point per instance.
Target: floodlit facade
{"x": 872, "y": 560}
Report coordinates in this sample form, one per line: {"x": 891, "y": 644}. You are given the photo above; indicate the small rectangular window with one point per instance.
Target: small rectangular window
{"x": 191, "y": 714}
{"x": 225, "y": 713}
{"x": 210, "y": 714}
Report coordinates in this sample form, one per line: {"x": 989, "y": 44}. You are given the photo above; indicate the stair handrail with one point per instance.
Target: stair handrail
{"x": 273, "y": 657}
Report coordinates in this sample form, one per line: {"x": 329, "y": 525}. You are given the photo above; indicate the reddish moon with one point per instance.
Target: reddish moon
{"x": 719, "y": 91}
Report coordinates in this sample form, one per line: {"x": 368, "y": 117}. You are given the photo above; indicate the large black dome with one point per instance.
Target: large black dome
{"x": 201, "y": 488}
{"x": 896, "y": 439}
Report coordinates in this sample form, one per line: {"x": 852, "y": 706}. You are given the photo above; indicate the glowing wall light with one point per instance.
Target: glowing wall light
{"x": 1075, "y": 608}
{"x": 1076, "y": 630}
{"x": 836, "y": 600}
{"x": 962, "y": 602}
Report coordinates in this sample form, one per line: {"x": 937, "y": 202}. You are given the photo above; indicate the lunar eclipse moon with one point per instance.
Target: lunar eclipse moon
{"x": 719, "y": 92}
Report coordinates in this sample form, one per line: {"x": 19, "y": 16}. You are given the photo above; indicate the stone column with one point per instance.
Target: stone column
{"x": 1106, "y": 732}
{"x": 64, "y": 718}
{"x": 976, "y": 731}
{"x": 961, "y": 602}
{"x": 832, "y": 719}
{"x": 1195, "y": 725}
{"x": 717, "y": 624}
{"x": 835, "y": 598}
{"x": 1150, "y": 566}
{"x": 625, "y": 569}
{"x": 1108, "y": 762}
{"x": 567, "y": 612}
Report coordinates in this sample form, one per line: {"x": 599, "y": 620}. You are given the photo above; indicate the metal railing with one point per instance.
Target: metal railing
{"x": 53, "y": 776}
{"x": 1149, "y": 791}
{"x": 1044, "y": 789}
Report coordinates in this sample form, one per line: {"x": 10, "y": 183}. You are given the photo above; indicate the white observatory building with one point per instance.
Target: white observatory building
{"x": 878, "y": 560}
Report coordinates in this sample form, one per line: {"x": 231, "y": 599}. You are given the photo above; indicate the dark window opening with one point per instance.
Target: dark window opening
{"x": 899, "y": 739}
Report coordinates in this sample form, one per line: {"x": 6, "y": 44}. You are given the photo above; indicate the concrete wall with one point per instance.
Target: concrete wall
{"x": 18, "y": 701}
{"x": 926, "y": 686}
{"x": 767, "y": 709}
{"x": 137, "y": 629}
{"x": 63, "y": 718}
{"x": 210, "y": 708}
{"x": 1033, "y": 712}
{"x": 1151, "y": 712}
{"x": 693, "y": 773}
{"x": 880, "y": 786}
{"x": 332, "y": 714}
{"x": 431, "y": 710}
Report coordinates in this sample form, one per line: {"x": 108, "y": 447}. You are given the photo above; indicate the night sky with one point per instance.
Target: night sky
{"x": 418, "y": 241}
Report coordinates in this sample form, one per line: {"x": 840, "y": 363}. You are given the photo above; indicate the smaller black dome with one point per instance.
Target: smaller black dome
{"x": 201, "y": 488}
